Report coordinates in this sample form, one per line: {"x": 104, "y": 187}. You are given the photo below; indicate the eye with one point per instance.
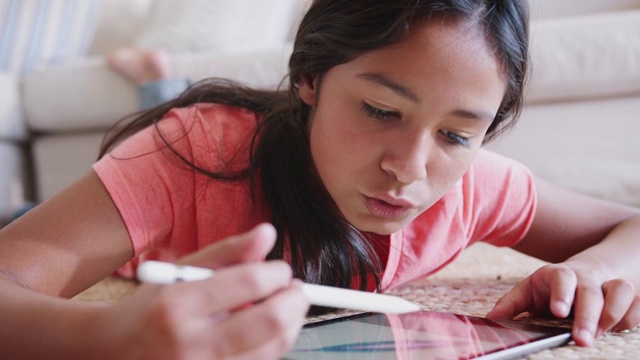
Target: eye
{"x": 456, "y": 139}
{"x": 378, "y": 113}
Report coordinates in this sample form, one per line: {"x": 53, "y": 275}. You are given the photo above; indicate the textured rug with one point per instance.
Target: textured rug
{"x": 470, "y": 285}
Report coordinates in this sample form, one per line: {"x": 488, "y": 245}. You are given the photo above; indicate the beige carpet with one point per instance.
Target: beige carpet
{"x": 470, "y": 286}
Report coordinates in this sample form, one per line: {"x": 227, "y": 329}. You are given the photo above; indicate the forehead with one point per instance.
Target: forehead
{"x": 436, "y": 50}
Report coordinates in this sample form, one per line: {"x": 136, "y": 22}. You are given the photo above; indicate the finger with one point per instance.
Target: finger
{"x": 551, "y": 288}
{"x": 589, "y": 302}
{"x": 266, "y": 330}
{"x": 275, "y": 348}
{"x": 235, "y": 286}
{"x": 632, "y": 318}
{"x": 253, "y": 245}
{"x": 618, "y": 297}
{"x": 562, "y": 288}
{"x": 513, "y": 302}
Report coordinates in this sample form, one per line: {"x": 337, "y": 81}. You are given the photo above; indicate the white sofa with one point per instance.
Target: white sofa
{"x": 579, "y": 128}
{"x": 14, "y": 161}
{"x": 581, "y": 125}
{"x": 52, "y": 120}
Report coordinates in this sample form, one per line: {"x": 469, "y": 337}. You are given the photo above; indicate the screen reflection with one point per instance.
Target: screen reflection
{"x": 419, "y": 335}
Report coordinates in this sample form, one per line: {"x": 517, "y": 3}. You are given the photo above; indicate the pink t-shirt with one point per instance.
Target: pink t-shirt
{"x": 171, "y": 210}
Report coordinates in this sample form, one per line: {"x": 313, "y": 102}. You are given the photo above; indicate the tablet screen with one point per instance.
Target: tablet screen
{"x": 422, "y": 335}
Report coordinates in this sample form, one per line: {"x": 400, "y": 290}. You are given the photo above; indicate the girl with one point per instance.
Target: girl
{"x": 369, "y": 167}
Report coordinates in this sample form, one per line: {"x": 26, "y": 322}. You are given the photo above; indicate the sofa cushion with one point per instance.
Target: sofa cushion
{"x": 592, "y": 56}
{"x": 541, "y": 9}
{"x": 76, "y": 97}
{"x": 119, "y": 23}
{"x": 35, "y": 34}
{"x": 590, "y": 147}
{"x": 264, "y": 69}
{"x": 12, "y": 126}
{"x": 221, "y": 25}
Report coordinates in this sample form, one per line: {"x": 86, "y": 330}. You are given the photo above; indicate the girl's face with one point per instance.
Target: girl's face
{"x": 393, "y": 130}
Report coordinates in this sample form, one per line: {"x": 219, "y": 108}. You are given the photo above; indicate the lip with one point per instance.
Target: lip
{"x": 394, "y": 201}
{"x": 387, "y": 207}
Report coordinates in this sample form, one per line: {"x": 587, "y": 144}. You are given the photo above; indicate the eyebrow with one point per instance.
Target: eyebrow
{"x": 394, "y": 86}
{"x": 475, "y": 115}
{"x": 404, "y": 92}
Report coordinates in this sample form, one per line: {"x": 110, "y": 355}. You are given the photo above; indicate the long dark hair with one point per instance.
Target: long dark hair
{"x": 324, "y": 247}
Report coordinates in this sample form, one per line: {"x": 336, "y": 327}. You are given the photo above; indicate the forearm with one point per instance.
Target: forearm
{"x": 618, "y": 252}
{"x": 37, "y": 326}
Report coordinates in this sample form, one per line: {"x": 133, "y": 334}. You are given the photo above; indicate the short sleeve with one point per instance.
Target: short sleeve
{"x": 499, "y": 200}
{"x": 158, "y": 192}
{"x": 147, "y": 183}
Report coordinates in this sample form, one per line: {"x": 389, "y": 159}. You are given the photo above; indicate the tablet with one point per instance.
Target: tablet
{"x": 423, "y": 335}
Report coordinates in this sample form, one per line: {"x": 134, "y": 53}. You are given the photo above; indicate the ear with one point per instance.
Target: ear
{"x": 307, "y": 89}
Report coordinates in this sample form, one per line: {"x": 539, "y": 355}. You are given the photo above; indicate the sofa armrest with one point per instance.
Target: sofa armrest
{"x": 76, "y": 96}
{"x": 588, "y": 146}
{"x": 12, "y": 125}
{"x": 593, "y": 56}
{"x": 87, "y": 95}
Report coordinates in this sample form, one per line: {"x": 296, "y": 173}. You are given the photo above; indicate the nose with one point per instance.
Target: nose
{"x": 407, "y": 156}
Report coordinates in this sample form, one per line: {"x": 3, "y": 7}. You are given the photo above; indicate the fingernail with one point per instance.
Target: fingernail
{"x": 491, "y": 314}
{"x": 563, "y": 308}
{"x": 586, "y": 336}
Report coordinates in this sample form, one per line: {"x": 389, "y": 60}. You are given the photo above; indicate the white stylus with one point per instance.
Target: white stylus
{"x": 158, "y": 272}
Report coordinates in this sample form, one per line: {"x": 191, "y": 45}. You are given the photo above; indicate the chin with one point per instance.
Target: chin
{"x": 380, "y": 227}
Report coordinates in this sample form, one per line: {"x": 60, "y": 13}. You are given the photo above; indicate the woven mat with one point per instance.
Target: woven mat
{"x": 470, "y": 285}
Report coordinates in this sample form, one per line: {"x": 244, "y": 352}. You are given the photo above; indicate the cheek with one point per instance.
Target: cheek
{"x": 451, "y": 168}
{"x": 333, "y": 139}
{"x": 322, "y": 142}
{"x": 339, "y": 152}
{"x": 327, "y": 149}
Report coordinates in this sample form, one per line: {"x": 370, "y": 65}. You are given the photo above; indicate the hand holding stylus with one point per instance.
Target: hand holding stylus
{"x": 208, "y": 319}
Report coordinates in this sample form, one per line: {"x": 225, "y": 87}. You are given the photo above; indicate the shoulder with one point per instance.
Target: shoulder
{"x": 491, "y": 183}
{"x": 206, "y": 133}
{"x": 491, "y": 172}
{"x": 494, "y": 182}
{"x": 494, "y": 201}
{"x": 200, "y": 124}
{"x": 211, "y": 137}
{"x": 207, "y": 116}
{"x": 498, "y": 199}
{"x": 487, "y": 160}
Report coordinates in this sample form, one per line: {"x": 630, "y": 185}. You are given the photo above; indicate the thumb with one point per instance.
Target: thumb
{"x": 251, "y": 246}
